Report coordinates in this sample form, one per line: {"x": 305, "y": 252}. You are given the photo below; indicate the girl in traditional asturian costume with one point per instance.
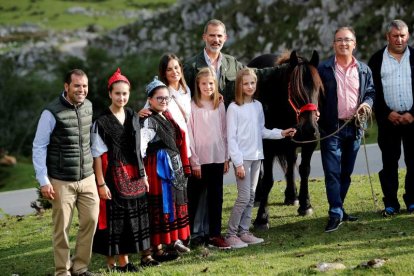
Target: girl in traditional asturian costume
{"x": 163, "y": 144}
{"x": 123, "y": 226}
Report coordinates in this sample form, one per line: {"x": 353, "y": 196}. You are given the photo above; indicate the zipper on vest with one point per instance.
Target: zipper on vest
{"x": 80, "y": 144}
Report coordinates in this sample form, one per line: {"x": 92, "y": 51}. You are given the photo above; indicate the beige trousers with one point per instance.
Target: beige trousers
{"x": 84, "y": 196}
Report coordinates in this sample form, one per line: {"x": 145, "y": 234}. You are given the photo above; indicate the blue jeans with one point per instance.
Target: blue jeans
{"x": 338, "y": 154}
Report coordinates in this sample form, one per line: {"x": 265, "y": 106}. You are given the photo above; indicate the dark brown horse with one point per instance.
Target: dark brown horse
{"x": 289, "y": 99}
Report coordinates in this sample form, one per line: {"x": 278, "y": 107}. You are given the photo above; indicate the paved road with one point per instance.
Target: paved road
{"x": 18, "y": 202}
{"x": 373, "y": 155}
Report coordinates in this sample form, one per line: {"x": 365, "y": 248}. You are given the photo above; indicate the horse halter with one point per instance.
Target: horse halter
{"x": 306, "y": 107}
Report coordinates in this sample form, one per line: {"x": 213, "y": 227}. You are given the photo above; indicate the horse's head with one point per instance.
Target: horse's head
{"x": 304, "y": 88}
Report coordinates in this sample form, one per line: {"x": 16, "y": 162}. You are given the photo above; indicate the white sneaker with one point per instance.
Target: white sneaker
{"x": 235, "y": 242}
{"x": 249, "y": 238}
{"x": 180, "y": 247}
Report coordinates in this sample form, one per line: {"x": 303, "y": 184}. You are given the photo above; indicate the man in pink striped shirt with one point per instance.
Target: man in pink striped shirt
{"x": 348, "y": 86}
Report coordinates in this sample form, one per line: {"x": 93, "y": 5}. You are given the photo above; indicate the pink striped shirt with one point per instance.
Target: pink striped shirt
{"x": 347, "y": 80}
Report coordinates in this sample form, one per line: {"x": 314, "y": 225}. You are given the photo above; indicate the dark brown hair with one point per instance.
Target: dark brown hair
{"x": 162, "y": 70}
{"x": 77, "y": 72}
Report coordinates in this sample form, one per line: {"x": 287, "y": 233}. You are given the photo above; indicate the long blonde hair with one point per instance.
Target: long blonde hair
{"x": 239, "y": 98}
{"x": 206, "y": 72}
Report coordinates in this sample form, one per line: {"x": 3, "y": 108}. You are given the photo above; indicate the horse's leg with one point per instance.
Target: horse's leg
{"x": 305, "y": 207}
{"x": 259, "y": 193}
{"x": 262, "y": 217}
{"x": 290, "y": 191}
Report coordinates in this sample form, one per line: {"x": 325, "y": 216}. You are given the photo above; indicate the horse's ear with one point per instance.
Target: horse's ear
{"x": 293, "y": 60}
{"x": 315, "y": 59}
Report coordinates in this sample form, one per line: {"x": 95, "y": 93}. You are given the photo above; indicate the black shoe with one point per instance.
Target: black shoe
{"x": 165, "y": 256}
{"x": 149, "y": 261}
{"x": 197, "y": 241}
{"x": 129, "y": 267}
{"x": 389, "y": 212}
{"x": 333, "y": 224}
{"x": 347, "y": 217}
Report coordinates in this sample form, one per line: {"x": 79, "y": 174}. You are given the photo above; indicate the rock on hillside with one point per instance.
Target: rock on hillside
{"x": 260, "y": 26}
{"x": 253, "y": 27}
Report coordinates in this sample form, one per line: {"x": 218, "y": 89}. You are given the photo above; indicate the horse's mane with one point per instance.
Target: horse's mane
{"x": 304, "y": 85}
{"x": 283, "y": 57}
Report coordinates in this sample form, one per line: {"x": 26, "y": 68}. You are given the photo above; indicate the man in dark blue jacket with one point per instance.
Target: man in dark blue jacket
{"x": 392, "y": 69}
{"x": 349, "y": 89}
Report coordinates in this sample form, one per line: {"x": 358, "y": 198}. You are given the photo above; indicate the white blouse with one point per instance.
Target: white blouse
{"x": 245, "y": 131}
{"x": 147, "y": 134}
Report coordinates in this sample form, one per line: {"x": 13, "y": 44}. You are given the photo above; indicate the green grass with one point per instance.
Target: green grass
{"x": 51, "y": 14}
{"x": 371, "y": 133}
{"x": 20, "y": 176}
{"x": 293, "y": 245}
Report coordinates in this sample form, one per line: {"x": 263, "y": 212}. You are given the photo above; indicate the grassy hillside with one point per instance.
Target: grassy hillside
{"x": 20, "y": 176}
{"x": 293, "y": 246}
{"x": 72, "y": 14}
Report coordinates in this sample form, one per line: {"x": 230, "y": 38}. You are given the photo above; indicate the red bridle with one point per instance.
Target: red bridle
{"x": 306, "y": 107}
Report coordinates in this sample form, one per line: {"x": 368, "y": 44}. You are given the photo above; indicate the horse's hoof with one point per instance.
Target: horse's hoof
{"x": 261, "y": 227}
{"x": 305, "y": 212}
{"x": 294, "y": 202}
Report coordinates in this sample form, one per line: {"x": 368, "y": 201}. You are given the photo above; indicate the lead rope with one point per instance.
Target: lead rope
{"x": 323, "y": 138}
{"x": 361, "y": 118}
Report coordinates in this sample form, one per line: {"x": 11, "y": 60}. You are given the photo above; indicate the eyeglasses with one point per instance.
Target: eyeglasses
{"x": 345, "y": 40}
{"x": 160, "y": 99}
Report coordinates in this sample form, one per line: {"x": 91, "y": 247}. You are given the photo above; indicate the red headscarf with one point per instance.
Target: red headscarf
{"x": 117, "y": 76}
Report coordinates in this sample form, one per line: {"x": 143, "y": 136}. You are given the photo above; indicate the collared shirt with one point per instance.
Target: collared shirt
{"x": 396, "y": 81}
{"x": 348, "y": 89}
{"x": 210, "y": 63}
{"x": 98, "y": 146}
